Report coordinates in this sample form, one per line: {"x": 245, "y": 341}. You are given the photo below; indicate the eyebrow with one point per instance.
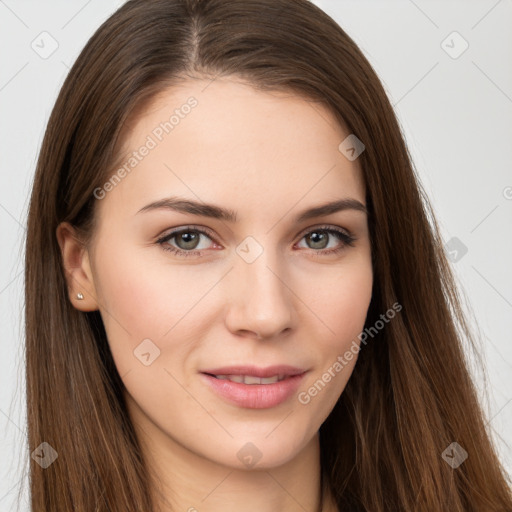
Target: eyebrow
{"x": 217, "y": 212}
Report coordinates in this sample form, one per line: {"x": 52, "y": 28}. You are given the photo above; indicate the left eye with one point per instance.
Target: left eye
{"x": 188, "y": 239}
{"x": 320, "y": 236}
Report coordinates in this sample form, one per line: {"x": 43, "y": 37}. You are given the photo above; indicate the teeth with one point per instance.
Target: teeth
{"x": 269, "y": 380}
{"x": 249, "y": 379}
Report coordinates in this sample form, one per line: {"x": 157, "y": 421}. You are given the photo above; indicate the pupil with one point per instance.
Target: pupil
{"x": 192, "y": 238}
{"x": 315, "y": 235}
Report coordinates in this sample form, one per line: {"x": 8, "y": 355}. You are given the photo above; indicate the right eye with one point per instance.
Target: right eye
{"x": 187, "y": 237}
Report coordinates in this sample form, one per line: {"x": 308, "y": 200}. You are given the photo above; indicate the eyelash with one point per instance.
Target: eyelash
{"x": 346, "y": 239}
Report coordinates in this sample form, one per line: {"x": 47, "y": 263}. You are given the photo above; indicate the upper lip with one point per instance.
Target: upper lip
{"x": 256, "y": 371}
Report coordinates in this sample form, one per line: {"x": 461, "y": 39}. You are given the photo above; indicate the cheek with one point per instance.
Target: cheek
{"x": 141, "y": 296}
{"x": 341, "y": 301}
{"x": 142, "y": 300}
{"x": 342, "y": 305}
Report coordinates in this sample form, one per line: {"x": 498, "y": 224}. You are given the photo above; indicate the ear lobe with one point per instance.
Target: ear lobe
{"x": 77, "y": 270}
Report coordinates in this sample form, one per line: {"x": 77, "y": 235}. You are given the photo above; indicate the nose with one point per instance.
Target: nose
{"x": 261, "y": 301}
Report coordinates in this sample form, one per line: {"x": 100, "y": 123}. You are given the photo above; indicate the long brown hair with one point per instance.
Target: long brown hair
{"x": 410, "y": 395}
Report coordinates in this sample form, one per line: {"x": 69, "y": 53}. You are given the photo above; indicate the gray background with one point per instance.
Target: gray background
{"x": 455, "y": 108}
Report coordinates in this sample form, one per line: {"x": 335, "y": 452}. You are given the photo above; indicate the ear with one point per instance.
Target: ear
{"x": 75, "y": 258}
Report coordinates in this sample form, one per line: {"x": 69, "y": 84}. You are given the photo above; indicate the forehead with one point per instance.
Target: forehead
{"x": 223, "y": 140}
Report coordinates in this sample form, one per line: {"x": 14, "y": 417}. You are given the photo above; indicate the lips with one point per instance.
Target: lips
{"x": 281, "y": 370}
{"x": 250, "y": 379}
{"x": 253, "y": 387}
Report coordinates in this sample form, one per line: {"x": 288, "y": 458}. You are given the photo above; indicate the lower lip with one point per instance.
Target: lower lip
{"x": 255, "y": 396}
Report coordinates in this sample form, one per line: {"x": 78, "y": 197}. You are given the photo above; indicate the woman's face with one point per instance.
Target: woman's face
{"x": 257, "y": 286}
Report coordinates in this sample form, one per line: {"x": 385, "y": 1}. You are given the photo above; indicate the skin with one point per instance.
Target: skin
{"x": 267, "y": 156}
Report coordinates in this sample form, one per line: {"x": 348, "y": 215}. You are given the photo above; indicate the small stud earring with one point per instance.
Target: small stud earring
{"x": 79, "y": 296}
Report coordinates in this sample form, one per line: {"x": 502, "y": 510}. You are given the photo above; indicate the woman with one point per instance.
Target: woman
{"x": 235, "y": 284}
